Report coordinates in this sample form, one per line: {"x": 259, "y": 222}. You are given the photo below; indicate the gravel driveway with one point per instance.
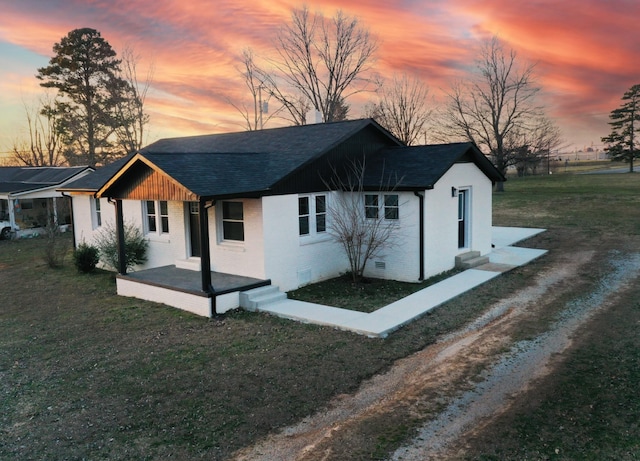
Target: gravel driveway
{"x": 461, "y": 382}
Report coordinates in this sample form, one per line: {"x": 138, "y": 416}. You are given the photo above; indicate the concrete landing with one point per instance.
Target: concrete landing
{"x": 391, "y": 317}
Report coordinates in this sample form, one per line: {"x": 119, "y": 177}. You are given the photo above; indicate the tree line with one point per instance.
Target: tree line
{"x": 96, "y": 112}
{"x": 321, "y": 62}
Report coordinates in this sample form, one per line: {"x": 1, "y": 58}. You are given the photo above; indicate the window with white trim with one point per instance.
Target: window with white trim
{"x": 233, "y": 221}
{"x": 321, "y": 213}
{"x": 312, "y": 214}
{"x": 96, "y": 212}
{"x": 371, "y": 206}
{"x": 390, "y": 206}
{"x": 157, "y": 216}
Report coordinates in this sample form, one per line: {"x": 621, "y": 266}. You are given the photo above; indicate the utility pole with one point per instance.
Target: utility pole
{"x": 264, "y": 105}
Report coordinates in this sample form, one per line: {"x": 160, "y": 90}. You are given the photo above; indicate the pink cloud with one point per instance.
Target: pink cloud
{"x": 586, "y": 50}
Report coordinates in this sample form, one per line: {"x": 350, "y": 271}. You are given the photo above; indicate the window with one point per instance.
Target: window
{"x": 371, "y": 206}
{"x": 391, "y": 208}
{"x": 312, "y": 214}
{"x": 303, "y": 215}
{"x": 157, "y": 216}
{"x": 232, "y": 221}
{"x": 98, "y": 212}
{"x": 390, "y": 203}
{"x": 321, "y": 213}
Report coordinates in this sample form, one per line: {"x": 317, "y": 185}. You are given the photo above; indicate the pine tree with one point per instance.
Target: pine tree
{"x": 85, "y": 71}
{"x": 622, "y": 142}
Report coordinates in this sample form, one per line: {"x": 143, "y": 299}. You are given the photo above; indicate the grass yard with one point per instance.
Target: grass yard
{"x": 368, "y": 296}
{"x": 85, "y": 374}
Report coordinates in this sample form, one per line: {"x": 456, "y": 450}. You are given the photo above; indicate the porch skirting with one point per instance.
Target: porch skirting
{"x": 195, "y": 303}
{"x": 177, "y": 287}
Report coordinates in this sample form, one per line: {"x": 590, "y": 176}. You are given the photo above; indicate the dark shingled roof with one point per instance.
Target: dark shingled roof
{"x": 94, "y": 181}
{"x": 221, "y": 174}
{"x": 290, "y": 143}
{"x": 232, "y": 163}
{"x": 24, "y": 179}
{"x": 254, "y": 161}
{"x": 248, "y": 161}
{"x": 420, "y": 167}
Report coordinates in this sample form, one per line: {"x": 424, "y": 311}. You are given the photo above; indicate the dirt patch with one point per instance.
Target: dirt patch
{"x": 464, "y": 379}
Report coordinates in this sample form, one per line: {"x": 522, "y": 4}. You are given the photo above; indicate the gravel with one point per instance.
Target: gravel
{"x": 516, "y": 369}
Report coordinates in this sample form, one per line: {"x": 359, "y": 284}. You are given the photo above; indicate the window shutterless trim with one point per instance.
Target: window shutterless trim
{"x": 233, "y": 221}
{"x": 312, "y": 214}
{"x": 156, "y": 216}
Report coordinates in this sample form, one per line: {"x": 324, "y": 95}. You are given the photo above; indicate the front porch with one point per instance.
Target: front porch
{"x": 181, "y": 288}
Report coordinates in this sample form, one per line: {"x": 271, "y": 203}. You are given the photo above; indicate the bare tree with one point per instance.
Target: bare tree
{"x": 132, "y": 119}
{"x": 495, "y": 105}
{"x": 403, "y": 108}
{"x": 361, "y": 227}
{"x": 43, "y": 147}
{"x": 323, "y": 61}
{"x": 533, "y": 145}
{"x": 256, "y": 114}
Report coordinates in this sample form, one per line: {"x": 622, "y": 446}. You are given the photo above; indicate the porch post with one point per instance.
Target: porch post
{"x": 421, "y": 231}
{"x": 205, "y": 258}
{"x": 12, "y": 213}
{"x": 122, "y": 263}
{"x": 55, "y": 210}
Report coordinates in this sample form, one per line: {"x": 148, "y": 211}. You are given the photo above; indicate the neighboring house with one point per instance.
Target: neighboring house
{"x": 230, "y": 211}
{"x": 28, "y": 198}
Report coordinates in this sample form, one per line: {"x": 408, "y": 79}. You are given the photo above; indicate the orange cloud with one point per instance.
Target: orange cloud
{"x": 586, "y": 50}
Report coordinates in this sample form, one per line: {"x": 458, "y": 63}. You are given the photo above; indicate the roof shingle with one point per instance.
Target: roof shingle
{"x": 23, "y": 179}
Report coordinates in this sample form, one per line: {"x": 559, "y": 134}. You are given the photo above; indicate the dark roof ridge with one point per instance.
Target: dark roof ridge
{"x": 277, "y": 128}
{"x": 235, "y": 154}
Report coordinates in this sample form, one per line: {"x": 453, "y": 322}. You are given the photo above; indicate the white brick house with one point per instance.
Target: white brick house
{"x": 255, "y": 206}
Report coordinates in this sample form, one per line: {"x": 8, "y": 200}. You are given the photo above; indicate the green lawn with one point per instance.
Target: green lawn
{"x": 85, "y": 374}
{"x": 368, "y": 296}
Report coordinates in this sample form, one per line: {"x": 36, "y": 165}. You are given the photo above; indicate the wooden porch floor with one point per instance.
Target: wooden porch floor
{"x": 189, "y": 281}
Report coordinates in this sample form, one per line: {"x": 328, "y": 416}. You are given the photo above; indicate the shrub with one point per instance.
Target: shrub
{"x": 56, "y": 248}
{"x": 135, "y": 246}
{"x": 85, "y": 258}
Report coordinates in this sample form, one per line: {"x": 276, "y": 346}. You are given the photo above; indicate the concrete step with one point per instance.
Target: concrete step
{"x": 466, "y": 256}
{"x": 252, "y": 300}
{"x": 470, "y": 263}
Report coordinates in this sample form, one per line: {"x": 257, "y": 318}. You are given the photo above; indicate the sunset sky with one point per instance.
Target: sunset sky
{"x": 587, "y": 52}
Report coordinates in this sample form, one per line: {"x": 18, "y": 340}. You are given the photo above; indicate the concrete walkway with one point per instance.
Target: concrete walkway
{"x": 385, "y": 320}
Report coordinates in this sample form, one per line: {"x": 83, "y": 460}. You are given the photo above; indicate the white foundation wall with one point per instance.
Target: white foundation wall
{"x": 200, "y": 305}
{"x": 400, "y": 257}
{"x": 291, "y": 260}
{"x": 441, "y": 217}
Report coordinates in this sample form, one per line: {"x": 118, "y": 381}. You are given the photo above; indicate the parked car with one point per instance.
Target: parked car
{"x": 5, "y": 229}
